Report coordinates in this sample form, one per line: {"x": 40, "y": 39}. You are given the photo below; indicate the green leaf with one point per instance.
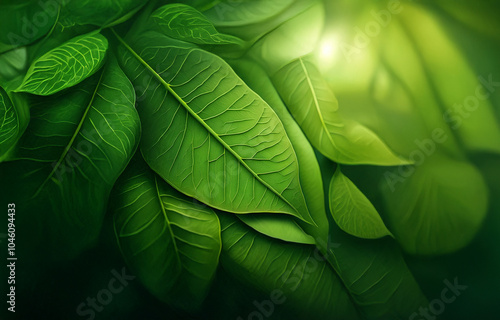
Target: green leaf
{"x": 315, "y": 108}
{"x": 464, "y": 98}
{"x": 309, "y": 172}
{"x": 185, "y": 23}
{"x": 296, "y": 271}
{"x": 24, "y": 22}
{"x": 403, "y": 63}
{"x": 171, "y": 242}
{"x": 296, "y": 37}
{"x": 377, "y": 277}
{"x": 438, "y": 208}
{"x": 278, "y": 227}
{"x": 14, "y": 64}
{"x": 237, "y": 13}
{"x": 102, "y": 13}
{"x": 74, "y": 149}
{"x": 14, "y": 117}
{"x": 66, "y": 65}
{"x": 207, "y": 134}
{"x": 352, "y": 211}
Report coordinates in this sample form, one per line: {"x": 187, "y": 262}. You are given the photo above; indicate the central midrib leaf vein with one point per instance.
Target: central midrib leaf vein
{"x": 202, "y": 122}
{"x": 75, "y": 134}
{"x": 167, "y": 222}
{"x": 316, "y": 102}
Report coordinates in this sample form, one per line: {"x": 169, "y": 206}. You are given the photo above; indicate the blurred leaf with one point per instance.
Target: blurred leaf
{"x": 14, "y": 64}
{"x": 102, "y": 13}
{"x": 23, "y": 22}
{"x": 438, "y": 207}
{"x": 294, "y": 38}
{"x": 237, "y": 13}
{"x": 464, "y": 96}
{"x": 314, "y": 107}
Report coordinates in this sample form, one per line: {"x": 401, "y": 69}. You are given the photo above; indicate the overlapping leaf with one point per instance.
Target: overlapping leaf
{"x": 314, "y": 107}
{"x": 376, "y": 276}
{"x": 171, "y": 242}
{"x": 74, "y": 149}
{"x": 297, "y": 271}
{"x": 309, "y": 172}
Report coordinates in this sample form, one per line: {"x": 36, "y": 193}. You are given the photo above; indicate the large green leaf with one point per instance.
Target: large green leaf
{"x": 14, "y": 117}
{"x": 103, "y": 13}
{"x": 352, "y": 211}
{"x": 208, "y": 134}
{"x": 23, "y": 22}
{"x": 74, "y": 149}
{"x": 171, "y": 242}
{"x": 309, "y": 172}
{"x": 185, "y": 23}
{"x": 314, "y": 107}
{"x": 296, "y": 271}
{"x": 437, "y": 209}
{"x": 66, "y": 65}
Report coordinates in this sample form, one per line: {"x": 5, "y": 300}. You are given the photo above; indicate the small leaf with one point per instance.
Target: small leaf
{"x": 278, "y": 227}
{"x": 352, "y": 211}
{"x": 66, "y": 65}
{"x": 314, "y": 107}
{"x": 185, "y": 23}
{"x": 171, "y": 242}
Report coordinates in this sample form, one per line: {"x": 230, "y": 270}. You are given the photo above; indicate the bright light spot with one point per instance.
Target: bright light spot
{"x": 327, "y": 49}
